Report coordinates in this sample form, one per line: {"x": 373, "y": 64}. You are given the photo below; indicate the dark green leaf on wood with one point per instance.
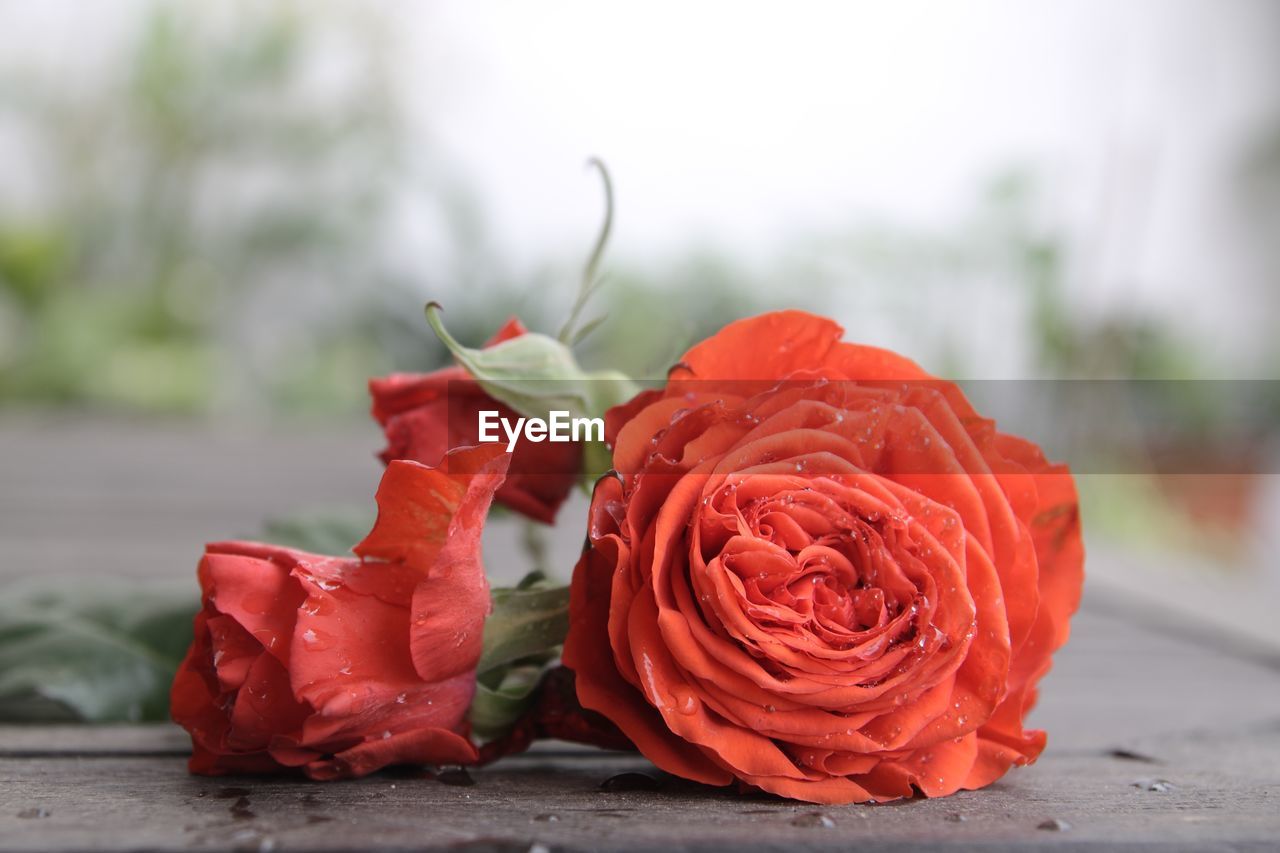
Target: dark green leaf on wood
{"x": 91, "y": 651}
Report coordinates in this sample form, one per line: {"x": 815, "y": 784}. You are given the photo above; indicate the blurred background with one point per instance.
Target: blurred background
{"x": 217, "y": 220}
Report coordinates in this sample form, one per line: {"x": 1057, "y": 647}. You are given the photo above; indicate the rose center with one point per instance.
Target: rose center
{"x": 804, "y": 562}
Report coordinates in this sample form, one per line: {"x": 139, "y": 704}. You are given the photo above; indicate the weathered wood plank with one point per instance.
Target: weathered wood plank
{"x": 159, "y": 739}
{"x": 1222, "y": 798}
{"x": 107, "y": 497}
{"x": 1129, "y": 710}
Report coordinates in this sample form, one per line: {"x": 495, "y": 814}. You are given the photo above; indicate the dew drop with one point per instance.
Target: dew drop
{"x": 454, "y": 775}
{"x": 632, "y": 781}
{"x": 240, "y": 810}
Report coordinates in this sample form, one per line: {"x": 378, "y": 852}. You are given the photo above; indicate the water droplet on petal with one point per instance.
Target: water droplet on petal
{"x": 685, "y": 701}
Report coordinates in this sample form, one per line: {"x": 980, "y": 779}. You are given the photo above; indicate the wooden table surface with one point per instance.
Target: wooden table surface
{"x": 1164, "y": 733}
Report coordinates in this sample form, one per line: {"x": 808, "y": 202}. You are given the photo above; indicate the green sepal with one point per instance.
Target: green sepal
{"x": 535, "y": 374}
{"x": 522, "y": 637}
{"x": 524, "y": 623}
{"x": 498, "y": 706}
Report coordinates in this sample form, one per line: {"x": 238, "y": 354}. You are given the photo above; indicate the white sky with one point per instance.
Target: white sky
{"x": 747, "y": 123}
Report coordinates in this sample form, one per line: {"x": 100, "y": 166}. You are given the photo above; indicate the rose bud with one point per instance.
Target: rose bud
{"x": 341, "y": 666}
{"x": 820, "y": 574}
{"x": 426, "y": 414}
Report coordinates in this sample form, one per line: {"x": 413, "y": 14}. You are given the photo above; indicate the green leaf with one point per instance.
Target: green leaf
{"x": 535, "y": 374}
{"x": 522, "y": 637}
{"x": 495, "y": 709}
{"x": 524, "y": 623}
{"x": 91, "y": 651}
{"x": 332, "y": 533}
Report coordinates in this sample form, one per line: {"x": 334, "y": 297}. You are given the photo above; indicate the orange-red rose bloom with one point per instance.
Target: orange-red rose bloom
{"x": 426, "y": 414}
{"x": 820, "y": 573}
{"x": 342, "y": 666}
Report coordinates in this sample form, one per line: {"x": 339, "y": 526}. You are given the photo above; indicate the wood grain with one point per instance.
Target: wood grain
{"x": 1191, "y": 764}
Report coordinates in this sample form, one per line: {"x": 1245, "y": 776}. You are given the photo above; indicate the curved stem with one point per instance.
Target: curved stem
{"x": 589, "y": 273}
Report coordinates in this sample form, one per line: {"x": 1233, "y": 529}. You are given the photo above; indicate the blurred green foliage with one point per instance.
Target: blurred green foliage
{"x": 208, "y": 227}
{"x": 170, "y": 183}
{"x": 211, "y": 217}
{"x": 1068, "y": 345}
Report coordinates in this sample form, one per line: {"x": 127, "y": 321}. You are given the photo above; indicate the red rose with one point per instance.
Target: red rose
{"x": 424, "y": 415}
{"x": 342, "y": 666}
{"x": 820, "y": 573}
